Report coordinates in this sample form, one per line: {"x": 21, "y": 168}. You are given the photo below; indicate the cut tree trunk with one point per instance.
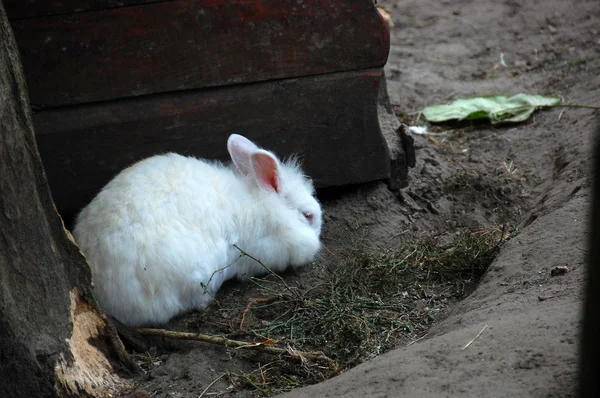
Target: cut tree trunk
{"x": 52, "y": 339}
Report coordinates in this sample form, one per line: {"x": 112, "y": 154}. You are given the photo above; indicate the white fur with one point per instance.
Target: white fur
{"x": 166, "y": 227}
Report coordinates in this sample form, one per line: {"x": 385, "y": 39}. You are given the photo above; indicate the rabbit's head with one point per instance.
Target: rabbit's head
{"x": 293, "y": 214}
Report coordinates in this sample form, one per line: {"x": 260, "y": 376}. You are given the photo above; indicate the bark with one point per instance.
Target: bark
{"x": 589, "y": 360}
{"x": 52, "y": 339}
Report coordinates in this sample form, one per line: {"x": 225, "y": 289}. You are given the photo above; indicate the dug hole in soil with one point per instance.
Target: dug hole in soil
{"x": 516, "y": 333}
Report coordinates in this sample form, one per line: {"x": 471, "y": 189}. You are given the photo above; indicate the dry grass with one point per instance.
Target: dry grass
{"x": 364, "y": 304}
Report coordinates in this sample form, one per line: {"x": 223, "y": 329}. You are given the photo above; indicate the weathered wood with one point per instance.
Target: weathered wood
{"x": 329, "y": 120}
{"x": 53, "y": 341}
{"x": 399, "y": 141}
{"x": 187, "y": 44}
{"x": 20, "y": 9}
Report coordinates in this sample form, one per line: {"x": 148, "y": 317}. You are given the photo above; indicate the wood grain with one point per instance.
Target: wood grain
{"x": 189, "y": 44}
{"x": 330, "y": 121}
{"x": 21, "y": 9}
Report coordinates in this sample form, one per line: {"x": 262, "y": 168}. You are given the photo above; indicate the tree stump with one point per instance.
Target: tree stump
{"x": 53, "y": 341}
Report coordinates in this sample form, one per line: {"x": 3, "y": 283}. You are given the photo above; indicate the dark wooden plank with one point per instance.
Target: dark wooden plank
{"x": 329, "y": 120}
{"x": 24, "y": 9}
{"x": 187, "y": 44}
{"x": 20, "y": 9}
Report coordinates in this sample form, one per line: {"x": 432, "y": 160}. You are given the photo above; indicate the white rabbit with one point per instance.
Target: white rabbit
{"x": 160, "y": 236}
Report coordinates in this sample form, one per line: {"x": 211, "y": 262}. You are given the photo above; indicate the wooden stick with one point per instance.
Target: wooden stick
{"x": 258, "y": 300}
{"x": 298, "y": 355}
{"x": 211, "y": 384}
{"x": 419, "y": 339}
{"x": 475, "y": 338}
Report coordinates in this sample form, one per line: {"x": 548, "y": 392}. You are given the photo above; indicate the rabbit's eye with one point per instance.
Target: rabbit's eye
{"x": 309, "y": 216}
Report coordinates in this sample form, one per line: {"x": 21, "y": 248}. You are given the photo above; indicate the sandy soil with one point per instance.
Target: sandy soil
{"x": 443, "y": 50}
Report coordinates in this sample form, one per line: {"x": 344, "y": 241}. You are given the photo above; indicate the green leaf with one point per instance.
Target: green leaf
{"x": 497, "y": 108}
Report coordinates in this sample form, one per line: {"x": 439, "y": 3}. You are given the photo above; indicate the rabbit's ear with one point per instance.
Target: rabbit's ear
{"x": 266, "y": 169}
{"x": 240, "y": 148}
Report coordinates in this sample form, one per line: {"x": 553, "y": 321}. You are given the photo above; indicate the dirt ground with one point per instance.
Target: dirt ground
{"x": 531, "y": 178}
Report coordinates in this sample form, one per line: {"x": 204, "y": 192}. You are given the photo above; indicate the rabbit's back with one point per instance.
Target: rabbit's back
{"x": 155, "y": 233}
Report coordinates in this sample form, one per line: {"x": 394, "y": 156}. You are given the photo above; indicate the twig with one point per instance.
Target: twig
{"x": 262, "y": 375}
{"x": 524, "y": 107}
{"x": 476, "y": 337}
{"x": 295, "y": 293}
{"x": 459, "y": 164}
{"x": 205, "y": 286}
{"x": 419, "y": 339}
{"x": 574, "y": 106}
{"x": 261, "y": 300}
{"x": 297, "y": 355}
{"x": 397, "y": 235}
{"x": 402, "y": 261}
{"x": 211, "y": 384}
{"x": 418, "y": 117}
